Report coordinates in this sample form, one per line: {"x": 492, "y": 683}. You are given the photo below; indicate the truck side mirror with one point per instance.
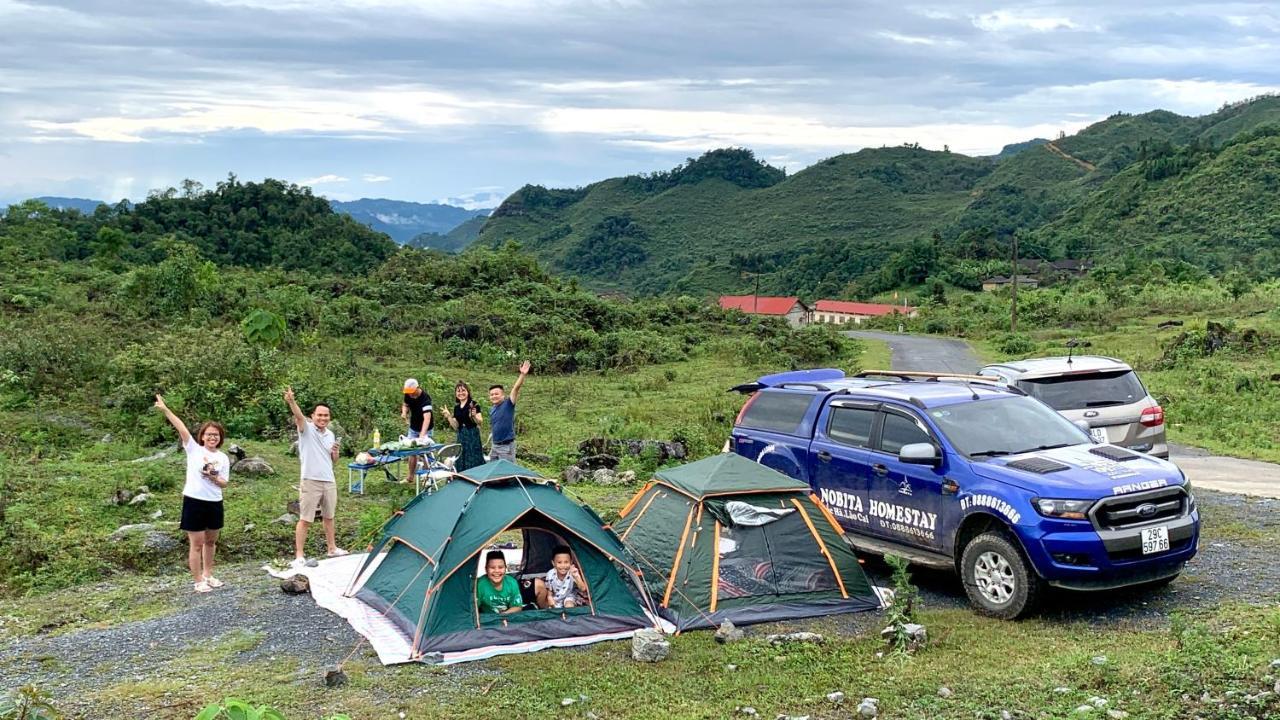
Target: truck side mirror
{"x": 919, "y": 454}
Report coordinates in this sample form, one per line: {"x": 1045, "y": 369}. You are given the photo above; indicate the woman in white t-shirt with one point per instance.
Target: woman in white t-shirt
{"x": 208, "y": 472}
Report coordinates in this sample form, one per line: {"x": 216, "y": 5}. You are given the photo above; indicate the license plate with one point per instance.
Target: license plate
{"x": 1099, "y": 435}
{"x": 1155, "y": 540}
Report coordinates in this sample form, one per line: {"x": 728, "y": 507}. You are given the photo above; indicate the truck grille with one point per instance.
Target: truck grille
{"x": 1126, "y": 511}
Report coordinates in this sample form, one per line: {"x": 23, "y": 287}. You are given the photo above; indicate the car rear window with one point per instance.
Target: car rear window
{"x": 777, "y": 411}
{"x": 1077, "y": 392}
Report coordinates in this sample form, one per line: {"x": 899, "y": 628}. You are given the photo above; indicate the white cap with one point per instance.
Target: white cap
{"x": 410, "y": 385}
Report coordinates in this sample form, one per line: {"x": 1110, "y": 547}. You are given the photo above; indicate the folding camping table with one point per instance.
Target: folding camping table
{"x": 387, "y": 458}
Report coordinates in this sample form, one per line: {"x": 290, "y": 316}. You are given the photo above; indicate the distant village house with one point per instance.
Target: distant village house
{"x": 998, "y": 282}
{"x": 1038, "y": 271}
{"x": 795, "y": 312}
{"x": 840, "y": 312}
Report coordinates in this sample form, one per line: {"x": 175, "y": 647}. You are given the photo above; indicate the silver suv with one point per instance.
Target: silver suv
{"x": 1102, "y": 391}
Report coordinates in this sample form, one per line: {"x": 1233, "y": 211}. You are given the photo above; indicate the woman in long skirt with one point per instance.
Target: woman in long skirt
{"x": 466, "y": 419}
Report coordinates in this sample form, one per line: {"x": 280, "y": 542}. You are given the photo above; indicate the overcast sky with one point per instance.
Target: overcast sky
{"x": 466, "y": 100}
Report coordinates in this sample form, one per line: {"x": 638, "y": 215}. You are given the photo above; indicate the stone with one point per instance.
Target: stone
{"x": 1099, "y": 660}
{"x": 249, "y": 526}
{"x": 747, "y": 710}
{"x": 1117, "y": 714}
{"x": 1275, "y": 664}
{"x": 627, "y": 477}
{"x": 604, "y": 476}
{"x": 334, "y": 677}
{"x": 1276, "y": 688}
{"x": 532, "y": 457}
{"x": 286, "y": 519}
{"x": 649, "y": 645}
{"x": 1062, "y": 690}
{"x": 158, "y": 455}
{"x": 158, "y": 542}
{"x": 794, "y": 637}
{"x": 121, "y": 497}
{"x": 572, "y": 475}
{"x": 727, "y": 633}
{"x": 835, "y": 698}
{"x": 917, "y": 635}
{"x": 792, "y": 717}
{"x": 868, "y": 708}
{"x": 252, "y": 466}
{"x": 139, "y": 499}
{"x": 107, "y": 438}
{"x": 157, "y": 515}
{"x": 1085, "y": 709}
{"x": 295, "y": 585}
{"x": 1097, "y": 701}
{"x": 662, "y": 450}
{"x": 944, "y": 692}
{"x": 731, "y": 668}
{"x": 1006, "y": 715}
{"x": 125, "y": 531}
{"x": 143, "y": 489}
{"x": 237, "y": 452}
{"x": 598, "y": 462}
{"x": 567, "y": 702}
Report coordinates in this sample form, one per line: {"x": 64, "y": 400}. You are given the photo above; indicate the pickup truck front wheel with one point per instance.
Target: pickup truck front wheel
{"x": 998, "y": 579}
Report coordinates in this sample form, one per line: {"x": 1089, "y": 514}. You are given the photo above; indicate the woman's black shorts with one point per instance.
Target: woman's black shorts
{"x": 200, "y": 515}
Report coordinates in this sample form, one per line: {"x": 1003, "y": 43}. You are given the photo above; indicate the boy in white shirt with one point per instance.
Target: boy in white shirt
{"x": 565, "y": 586}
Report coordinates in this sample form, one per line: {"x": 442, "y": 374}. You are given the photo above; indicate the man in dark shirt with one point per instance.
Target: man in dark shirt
{"x": 502, "y": 418}
{"x": 416, "y": 410}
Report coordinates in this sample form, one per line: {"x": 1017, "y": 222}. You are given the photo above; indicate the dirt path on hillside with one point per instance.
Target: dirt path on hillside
{"x": 1067, "y": 156}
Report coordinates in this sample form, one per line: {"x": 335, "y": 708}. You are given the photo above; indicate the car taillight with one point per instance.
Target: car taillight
{"x": 743, "y": 411}
{"x": 1152, "y": 416}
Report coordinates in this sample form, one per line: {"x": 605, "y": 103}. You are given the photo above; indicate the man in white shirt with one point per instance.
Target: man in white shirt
{"x": 317, "y": 451}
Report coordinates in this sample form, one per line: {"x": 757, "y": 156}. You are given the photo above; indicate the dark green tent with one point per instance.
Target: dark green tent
{"x": 727, "y": 538}
{"x": 425, "y": 582}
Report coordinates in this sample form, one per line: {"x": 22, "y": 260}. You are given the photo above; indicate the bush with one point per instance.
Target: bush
{"x": 1015, "y": 344}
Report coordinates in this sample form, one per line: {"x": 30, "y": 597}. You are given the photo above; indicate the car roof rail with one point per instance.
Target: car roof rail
{"x": 923, "y": 376}
{"x": 803, "y": 386}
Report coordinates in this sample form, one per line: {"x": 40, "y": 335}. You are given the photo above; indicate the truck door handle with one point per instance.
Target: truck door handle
{"x": 745, "y": 441}
{"x": 824, "y": 456}
{"x": 880, "y": 470}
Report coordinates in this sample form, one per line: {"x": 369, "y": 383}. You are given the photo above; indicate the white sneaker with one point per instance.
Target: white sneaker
{"x": 298, "y": 563}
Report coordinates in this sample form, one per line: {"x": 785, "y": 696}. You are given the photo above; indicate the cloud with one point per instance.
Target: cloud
{"x": 328, "y": 179}
{"x": 1006, "y": 20}
{"x": 371, "y": 178}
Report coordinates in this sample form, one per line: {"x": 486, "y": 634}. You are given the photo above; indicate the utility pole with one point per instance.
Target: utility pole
{"x": 1013, "y": 318}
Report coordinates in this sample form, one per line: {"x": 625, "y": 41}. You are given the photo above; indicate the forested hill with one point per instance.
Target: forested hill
{"x": 1155, "y": 185}
{"x": 257, "y": 225}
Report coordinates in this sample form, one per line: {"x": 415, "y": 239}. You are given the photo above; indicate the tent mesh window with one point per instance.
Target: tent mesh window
{"x": 778, "y": 558}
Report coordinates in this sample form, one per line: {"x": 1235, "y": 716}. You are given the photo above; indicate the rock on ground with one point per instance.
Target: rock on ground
{"x": 334, "y": 677}
{"x": 803, "y": 637}
{"x": 869, "y": 707}
{"x": 917, "y": 636}
{"x": 125, "y": 531}
{"x": 158, "y": 542}
{"x": 296, "y": 584}
{"x": 253, "y": 466}
{"x": 727, "y": 633}
{"x": 649, "y": 645}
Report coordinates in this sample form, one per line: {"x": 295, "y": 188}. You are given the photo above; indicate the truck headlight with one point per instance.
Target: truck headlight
{"x": 1064, "y": 509}
{"x": 1191, "y": 497}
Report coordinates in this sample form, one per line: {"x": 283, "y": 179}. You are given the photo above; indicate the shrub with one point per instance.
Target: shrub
{"x": 1014, "y": 344}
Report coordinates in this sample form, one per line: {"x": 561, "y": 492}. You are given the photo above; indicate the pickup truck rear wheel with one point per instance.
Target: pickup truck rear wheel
{"x": 997, "y": 577}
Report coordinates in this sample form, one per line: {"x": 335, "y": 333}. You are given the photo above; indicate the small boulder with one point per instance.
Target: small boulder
{"x": 627, "y": 477}
{"x": 295, "y": 585}
{"x": 727, "y": 633}
{"x": 252, "y": 466}
{"x": 1085, "y": 709}
{"x": 286, "y": 519}
{"x": 121, "y": 497}
{"x": 142, "y": 489}
{"x": 835, "y": 698}
{"x": 249, "y": 526}
{"x": 1097, "y": 701}
{"x": 157, "y": 515}
{"x": 731, "y": 668}
{"x": 597, "y": 462}
{"x": 236, "y": 452}
{"x": 649, "y": 645}
{"x": 1006, "y": 715}
{"x": 794, "y": 637}
{"x": 125, "y": 531}
{"x": 159, "y": 543}
{"x": 567, "y": 702}
{"x": 917, "y": 636}
{"x": 572, "y": 475}
{"x": 605, "y": 476}
{"x": 1099, "y": 660}
{"x": 139, "y": 499}
{"x": 868, "y": 708}
{"x": 945, "y": 692}
{"x": 747, "y": 710}
{"x": 1117, "y": 714}
{"x": 334, "y": 677}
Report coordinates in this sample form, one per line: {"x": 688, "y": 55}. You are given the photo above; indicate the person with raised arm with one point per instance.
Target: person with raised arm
{"x": 208, "y": 472}
{"x": 317, "y": 451}
{"x": 502, "y": 417}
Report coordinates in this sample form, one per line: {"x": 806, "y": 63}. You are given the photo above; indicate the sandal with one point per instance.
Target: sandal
{"x": 337, "y": 552}
{"x": 213, "y": 581}
{"x": 203, "y": 587}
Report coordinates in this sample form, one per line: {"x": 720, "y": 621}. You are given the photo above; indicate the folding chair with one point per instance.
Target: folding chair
{"x": 438, "y": 466}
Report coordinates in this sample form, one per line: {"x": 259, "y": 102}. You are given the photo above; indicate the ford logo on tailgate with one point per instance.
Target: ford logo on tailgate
{"x": 1146, "y": 510}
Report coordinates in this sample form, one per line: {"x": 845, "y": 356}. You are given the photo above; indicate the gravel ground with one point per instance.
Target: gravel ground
{"x": 251, "y": 609}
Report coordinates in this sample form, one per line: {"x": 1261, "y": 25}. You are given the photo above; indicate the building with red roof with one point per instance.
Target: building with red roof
{"x": 839, "y": 312}
{"x": 790, "y": 308}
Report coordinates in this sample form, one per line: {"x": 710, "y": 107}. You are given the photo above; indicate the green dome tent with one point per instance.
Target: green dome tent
{"x": 425, "y": 583}
{"x": 726, "y": 538}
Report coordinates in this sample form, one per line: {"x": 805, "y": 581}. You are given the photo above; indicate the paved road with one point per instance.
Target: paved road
{"x": 921, "y": 352}
{"x": 1227, "y": 474}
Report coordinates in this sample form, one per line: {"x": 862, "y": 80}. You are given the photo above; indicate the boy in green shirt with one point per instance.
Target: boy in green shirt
{"x": 497, "y": 592}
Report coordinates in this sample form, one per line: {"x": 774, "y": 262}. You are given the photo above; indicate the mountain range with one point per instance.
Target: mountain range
{"x": 423, "y": 225}
{"x": 1200, "y": 190}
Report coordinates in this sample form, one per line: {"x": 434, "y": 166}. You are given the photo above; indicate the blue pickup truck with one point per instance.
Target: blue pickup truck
{"x": 960, "y": 473}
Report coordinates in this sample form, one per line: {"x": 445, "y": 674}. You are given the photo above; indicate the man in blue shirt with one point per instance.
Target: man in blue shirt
{"x": 502, "y": 418}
